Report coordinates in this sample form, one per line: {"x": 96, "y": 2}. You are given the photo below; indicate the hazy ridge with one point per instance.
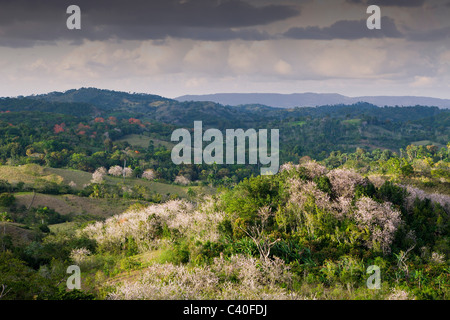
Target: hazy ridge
{"x": 313, "y": 99}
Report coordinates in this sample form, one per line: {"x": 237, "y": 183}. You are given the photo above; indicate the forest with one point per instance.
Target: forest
{"x": 86, "y": 179}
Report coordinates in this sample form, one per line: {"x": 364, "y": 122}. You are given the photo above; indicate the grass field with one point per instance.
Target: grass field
{"x": 66, "y": 204}
{"x": 297, "y": 123}
{"x": 427, "y": 142}
{"x": 28, "y": 174}
{"x": 19, "y": 235}
{"x": 61, "y": 227}
{"x": 142, "y": 141}
{"x": 81, "y": 178}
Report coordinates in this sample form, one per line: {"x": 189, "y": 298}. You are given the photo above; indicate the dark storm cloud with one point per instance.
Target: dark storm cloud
{"x": 430, "y": 35}
{"x": 346, "y": 29}
{"x": 25, "y": 23}
{"x": 390, "y": 3}
{"x": 398, "y": 3}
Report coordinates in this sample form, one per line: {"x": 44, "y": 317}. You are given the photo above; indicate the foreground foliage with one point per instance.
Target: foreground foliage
{"x": 305, "y": 233}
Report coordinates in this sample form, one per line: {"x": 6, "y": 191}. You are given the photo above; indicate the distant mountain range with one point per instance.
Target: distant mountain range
{"x": 312, "y": 100}
{"x": 93, "y": 102}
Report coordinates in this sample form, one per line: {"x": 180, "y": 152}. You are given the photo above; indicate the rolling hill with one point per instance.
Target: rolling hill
{"x": 312, "y": 99}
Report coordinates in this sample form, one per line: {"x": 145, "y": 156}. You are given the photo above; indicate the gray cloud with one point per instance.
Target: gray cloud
{"x": 430, "y": 35}
{"x": 390, "y": 3}
{"x": 25, "y": 23}
{"x": 346, "y": 29}
{"x": 398, "y": 3}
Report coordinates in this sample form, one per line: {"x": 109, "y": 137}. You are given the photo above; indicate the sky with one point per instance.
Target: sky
{"x": 178, "y": 47}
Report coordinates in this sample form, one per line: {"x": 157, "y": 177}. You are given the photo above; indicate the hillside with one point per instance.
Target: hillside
{"x": 312, "y": 99}
{"x": 358, "y": 185}
{"x": 106, "y": 100}
{"x": 33, "y": 105}
{"x": 305, "y": 233}
{"x": 313, "y": 132}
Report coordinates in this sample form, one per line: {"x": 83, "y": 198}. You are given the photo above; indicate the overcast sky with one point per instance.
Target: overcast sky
{"x": 177, "y": 47}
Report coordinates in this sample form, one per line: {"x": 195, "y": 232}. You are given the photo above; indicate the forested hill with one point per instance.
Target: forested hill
{"x": 312, "y": 131}
{"x": 106, "y": 100}
{"x": 35, "y": 105}
{"x": 213, "y": 114}
{"x": 313, "y": 99}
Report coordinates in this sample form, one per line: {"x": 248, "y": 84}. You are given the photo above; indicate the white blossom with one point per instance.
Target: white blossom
{"x": 79, "y": 255}
{"x": 344, "y": 181}
{"x": 182, "y": 180}
{"x": 72, "y": 184}
{"x": 115, "y": 171}
{"x": 314, "y": 169}
{"x": 381, "y": 220}
{"x": 127, "y": 172}
{"x": 415, "y": 193}
{"x": 239, "y": 277}
{"x": 97, "y": 176}
{"x": 145, "y": 225}
{"x": 149, "y": 174}
{"x": 399, "y": 294}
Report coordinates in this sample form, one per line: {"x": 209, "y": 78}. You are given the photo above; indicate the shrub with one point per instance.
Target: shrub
{"x": 149, "y": 174}
{"x": 127, "y": 172}
{"x": 344, "y": 181}
{"x": 236, "y": 278}
{"x": 115, "y": 171}
{"x": 380, "y": 219}
{"x": 392, "y": 193}
{"x": 182, "y": 180}
{"x": 7, "y": 199}
{"x": 98, "y": 175}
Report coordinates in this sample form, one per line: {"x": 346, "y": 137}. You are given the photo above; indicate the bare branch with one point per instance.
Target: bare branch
{"x": 257, "y": 234}
{"x": 3, "y": 293}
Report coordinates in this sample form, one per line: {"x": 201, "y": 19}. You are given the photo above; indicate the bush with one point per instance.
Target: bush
{"x": 44, "y": 228}
{"x": 179, "y": 254}
{"x": 323, "y": 184}
{"x": 392, "y": 193}
{"x": 75, "y": 294}
{"x": 7, "y": 200}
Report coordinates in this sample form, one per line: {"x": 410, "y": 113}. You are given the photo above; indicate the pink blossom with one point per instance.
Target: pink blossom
{"x": 381, "y": 220}
{"x": 344, "y": 181}
{"x": 149, "y": 174}
{"x": 115, "y": 171}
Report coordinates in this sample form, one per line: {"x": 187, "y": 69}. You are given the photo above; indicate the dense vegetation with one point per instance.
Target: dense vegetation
{"x": 377, "y": 195}
{"x": 88, "y": 128}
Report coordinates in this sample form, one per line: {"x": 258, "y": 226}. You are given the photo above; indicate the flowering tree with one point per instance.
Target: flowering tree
{"x": 415, "y": 193}
{"x": 288, "y": 166}
{"x": 144, "y": 225}
{"x": 149, "y": 174}
{"x": 98, "y": 175}
{"x": 115, "y": 171}
{"x": 314, "y": 169}
{"x": 182, "y": 180}
{"x": 303, "y": 191}
{"x": 344, "y": 181}
{"x": 79, "y": 255}
{"x": 236, "y": 278}
{"x": 72, "y": 184}
{"x": 127, "y": 172}
{"x": 381, "y": 220}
